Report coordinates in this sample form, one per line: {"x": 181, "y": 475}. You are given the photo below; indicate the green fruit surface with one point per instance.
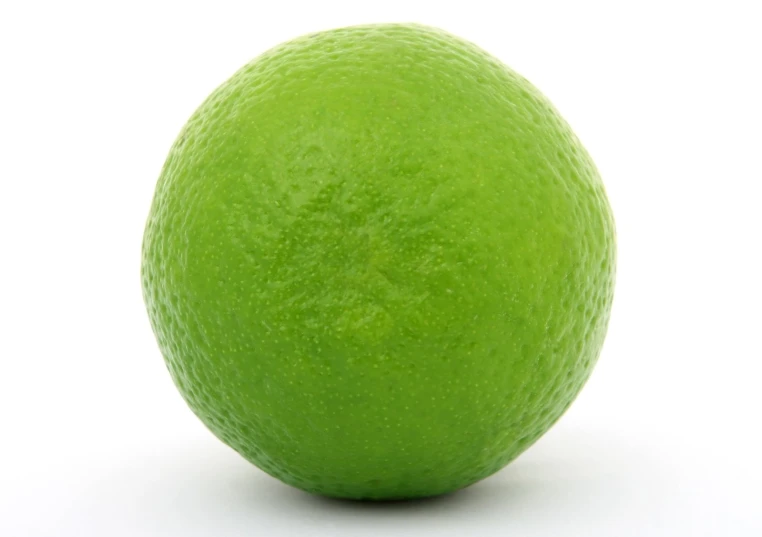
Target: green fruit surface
{"x": 378, "y": 263}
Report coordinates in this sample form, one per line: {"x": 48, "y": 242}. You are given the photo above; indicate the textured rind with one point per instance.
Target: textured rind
{"x": 378, "y": 263}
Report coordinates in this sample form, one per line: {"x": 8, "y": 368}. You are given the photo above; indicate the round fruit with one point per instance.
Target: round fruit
{"x": 378, "y": 263}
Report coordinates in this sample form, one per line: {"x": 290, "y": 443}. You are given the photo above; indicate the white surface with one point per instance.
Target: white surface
{"x": 663, "y": 441}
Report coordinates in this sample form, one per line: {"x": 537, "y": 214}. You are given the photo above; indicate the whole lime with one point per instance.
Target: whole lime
{"x": 378, "y": 263}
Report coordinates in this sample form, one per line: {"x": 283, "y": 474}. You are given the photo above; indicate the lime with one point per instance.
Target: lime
{"x": 378, "y": 263}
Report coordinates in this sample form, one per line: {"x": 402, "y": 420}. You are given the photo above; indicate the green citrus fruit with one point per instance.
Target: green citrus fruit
{"x": 378, "y": 263}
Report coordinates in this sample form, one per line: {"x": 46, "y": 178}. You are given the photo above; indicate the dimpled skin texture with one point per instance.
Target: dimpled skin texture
{"x": 378, "y": 263}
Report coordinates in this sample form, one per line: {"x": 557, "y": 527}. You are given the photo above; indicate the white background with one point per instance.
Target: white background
{"x": 664, "y": 440}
